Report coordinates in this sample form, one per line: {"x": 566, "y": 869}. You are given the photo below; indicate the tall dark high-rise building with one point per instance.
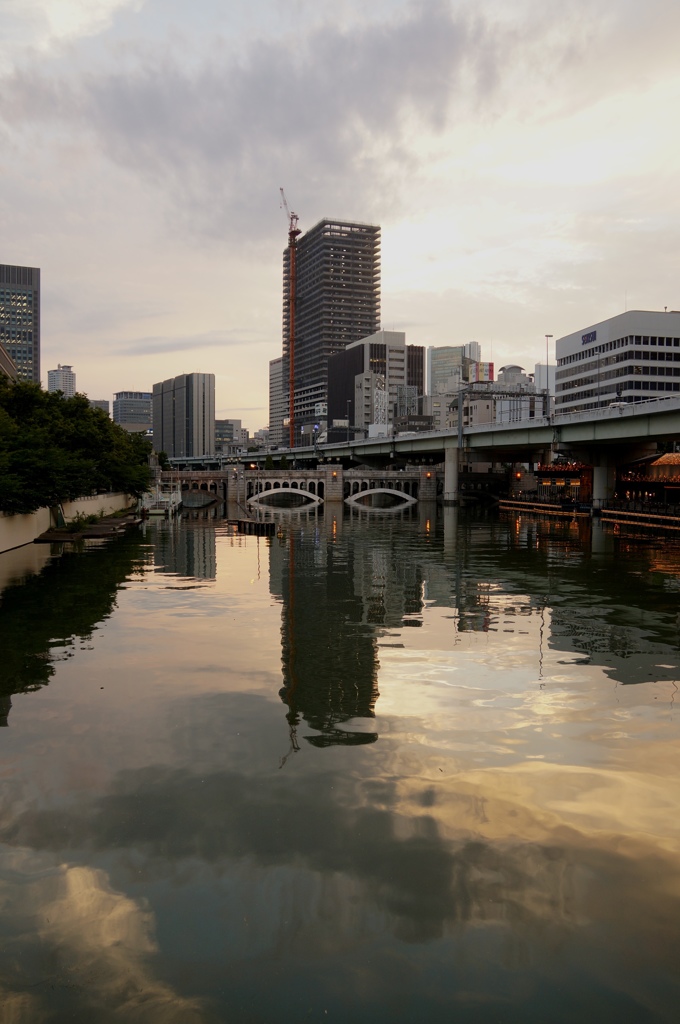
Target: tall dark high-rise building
{"x": 20, "y": 318}
{"x": 337, "y": 302}
{"x": 184, "y": 415}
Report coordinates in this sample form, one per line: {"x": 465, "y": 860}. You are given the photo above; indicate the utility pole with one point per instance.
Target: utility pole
{"x": 293, "y": 232}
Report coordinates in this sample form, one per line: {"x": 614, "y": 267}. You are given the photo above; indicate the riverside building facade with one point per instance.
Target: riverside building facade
{"x": 337, "y": 302}
{"x": 629, "y": 358}
{"x": 20, "y": 318}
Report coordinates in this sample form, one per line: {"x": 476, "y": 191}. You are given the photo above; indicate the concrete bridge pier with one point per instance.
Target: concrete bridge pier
{"x": 427, "y": 485}
{"x": 335, "y": 484}
{"x": 604, "y": 482}
{"x": 450, "y": 473}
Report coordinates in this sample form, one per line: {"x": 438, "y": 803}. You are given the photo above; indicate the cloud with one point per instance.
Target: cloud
{"x": 42, "y": 23}
{"x": 209, "y": 339}
{"x": 325, "y": 114}
{"x": 340, "y": 116}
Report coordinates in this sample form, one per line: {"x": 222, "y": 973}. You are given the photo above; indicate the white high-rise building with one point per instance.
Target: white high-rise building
{"x": 62, "y": 379}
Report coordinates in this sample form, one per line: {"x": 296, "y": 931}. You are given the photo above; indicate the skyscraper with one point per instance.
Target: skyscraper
{"x": 278, "y": 405}
{"x": 20, "y": 318}
{"x": 184, "y": 415}
{"x": 337, "y": 301}
{"x": 62, "y": 379}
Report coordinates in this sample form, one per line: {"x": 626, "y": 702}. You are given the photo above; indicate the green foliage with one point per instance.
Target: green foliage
{"x": 54, "y": 449}
{"x": 269, "y": 462}
{"x": 164, "y": 461}
{"x": 283, "y": 462}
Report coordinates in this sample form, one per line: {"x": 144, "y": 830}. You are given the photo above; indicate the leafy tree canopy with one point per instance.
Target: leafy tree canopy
{"x": 54, "y": 449}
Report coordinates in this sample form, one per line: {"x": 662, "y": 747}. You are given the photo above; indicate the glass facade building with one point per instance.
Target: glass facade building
{"x": 20, "y": 318}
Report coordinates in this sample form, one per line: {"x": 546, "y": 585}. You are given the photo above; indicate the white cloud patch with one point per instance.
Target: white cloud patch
{"x": 40, "y": 24}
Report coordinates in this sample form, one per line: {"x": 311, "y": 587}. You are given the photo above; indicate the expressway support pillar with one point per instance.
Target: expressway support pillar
{"x": 604, "y": 482}
{"x": 450, "y": 473}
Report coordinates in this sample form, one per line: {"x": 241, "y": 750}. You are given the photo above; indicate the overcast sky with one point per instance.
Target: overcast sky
{"x": 521, "y": 157}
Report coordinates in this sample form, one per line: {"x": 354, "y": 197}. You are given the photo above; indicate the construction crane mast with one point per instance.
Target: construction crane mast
{"x": 293, "y": 232}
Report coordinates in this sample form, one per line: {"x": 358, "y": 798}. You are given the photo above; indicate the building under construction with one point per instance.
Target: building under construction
{"x": 337, "y": 301}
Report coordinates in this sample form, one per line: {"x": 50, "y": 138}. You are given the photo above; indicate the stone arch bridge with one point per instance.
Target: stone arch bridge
{"x": 328, "y": 482}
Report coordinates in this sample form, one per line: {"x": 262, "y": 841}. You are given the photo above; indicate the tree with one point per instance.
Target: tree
{"x": 269, "y": 462}
{"x": 283, "y": 462}
{"x": 54, "y": 449}
{"x": 163, "y": 461}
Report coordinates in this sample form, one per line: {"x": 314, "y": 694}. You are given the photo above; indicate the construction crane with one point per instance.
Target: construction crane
{"x": 293, "y": 232}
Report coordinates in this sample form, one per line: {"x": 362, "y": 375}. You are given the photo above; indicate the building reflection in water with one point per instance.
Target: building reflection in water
{"x": 189, "y": 553}
{"x": 329, "y": 651}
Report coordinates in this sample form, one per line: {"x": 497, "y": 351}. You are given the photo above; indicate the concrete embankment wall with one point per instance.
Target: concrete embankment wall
{"x": 16, "y": 531}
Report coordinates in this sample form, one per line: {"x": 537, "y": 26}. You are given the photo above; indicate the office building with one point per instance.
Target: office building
{"x": 337, "y": 302}
{"x": 20, "y": 318}
{"x": 184, "y": 415}
{"x": 373, "y": 380}
{"x": 62, "y": 379}
{"x": 278, "y": 403}
{"x": 230, "y": 437}
{"x": 449, "y": 367}
{"x": 132, "y": 410}
{"x": 444, "y": 369}
{"x": 511, "y": 398}
{"x": 629, "y": 358}
{"x": 7, "y": 367}
{"x": 517, "y": 400}
{"x": 544, "y": 380}
{"x": 101, "y": 403}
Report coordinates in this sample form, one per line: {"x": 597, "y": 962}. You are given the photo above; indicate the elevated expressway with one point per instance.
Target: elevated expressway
{"x": 603, "y": 438}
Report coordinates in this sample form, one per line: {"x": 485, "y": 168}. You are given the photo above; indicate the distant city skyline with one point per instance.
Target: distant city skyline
{"x": 519, "y": 158}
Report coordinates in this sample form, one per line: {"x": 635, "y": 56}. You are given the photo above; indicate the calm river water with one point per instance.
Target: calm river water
{"x": 378, "y": 768}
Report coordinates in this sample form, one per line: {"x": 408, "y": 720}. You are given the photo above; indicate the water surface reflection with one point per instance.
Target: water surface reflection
{"x": 475, "y": 818}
